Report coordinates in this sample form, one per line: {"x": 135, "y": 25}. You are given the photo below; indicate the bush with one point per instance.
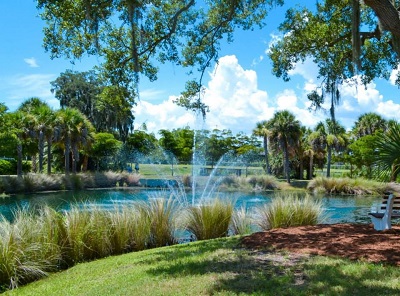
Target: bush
{"x": 289, "y": 211}
{"x": 210, "y": 220}
{"x": 8, "y": 167}
{"x": 357, "y": 186}
{"x": 264, "y": 182}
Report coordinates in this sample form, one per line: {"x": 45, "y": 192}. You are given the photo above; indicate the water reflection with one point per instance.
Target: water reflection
{"x": 338, "y": 209}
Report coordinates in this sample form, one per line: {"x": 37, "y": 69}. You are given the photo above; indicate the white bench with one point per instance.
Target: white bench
{"x": 388, "y": 209}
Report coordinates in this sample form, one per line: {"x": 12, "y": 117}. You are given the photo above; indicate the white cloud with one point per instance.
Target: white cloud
{"x": 389, "y": 110}
{"x": 151, "y": 94}
{"x": 394, "y": 75}
{"x": 233, "y": 97}
{"x": 307, "y": 69}
{"x": 31, "y": 62}
{"x": 166, "y": 115}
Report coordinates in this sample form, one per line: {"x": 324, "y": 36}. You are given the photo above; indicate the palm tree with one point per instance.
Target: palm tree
{"x": 332, "y": 135}
{"x": 368, "y": 124}
{"x": 387, "y": 162}
{"x": 45, "y": 118}
{"x": 285, "y": 131}
{"x": 20, "y": 126}
{"x": 73, "y": 129}
{"x": 262, "y": 130}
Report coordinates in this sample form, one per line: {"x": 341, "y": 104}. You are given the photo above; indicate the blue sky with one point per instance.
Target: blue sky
{"x": 240, "y": 90}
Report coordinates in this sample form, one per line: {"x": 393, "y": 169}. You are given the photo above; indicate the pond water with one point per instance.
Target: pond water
{"x": 338, "y": 209}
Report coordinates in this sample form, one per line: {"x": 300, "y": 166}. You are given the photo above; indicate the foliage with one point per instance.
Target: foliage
{"x": 285, "y": 133}
{"x": 209, "y": 220}
{"x": 8, "y": 167}
{"x": 313, "y": 35}
{"x": 104, "y": 144}
{"x": 260, "y": 182}
{"x": 287, "y": 211}
{"x": 362, "y": 154}
{"x": 358, "y": 186}
{"x": 145, "y": 34}
{"x": 387, "y": 161}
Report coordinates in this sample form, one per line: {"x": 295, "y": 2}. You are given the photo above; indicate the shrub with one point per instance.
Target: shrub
{"x": 241, "y": 222}
{"x": 210, "y": 219}
{"x": 27, "y": 252}
{"x": 264, "y": 182}
{"x": 357, "y": 186}
{"x": 289, "y": 211}
{"x": 8, "y": 167}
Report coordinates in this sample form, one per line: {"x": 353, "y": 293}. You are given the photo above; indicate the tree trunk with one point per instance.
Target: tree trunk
{"x": 310, "y": 169}
{"x": 41, "y": 151}
{"x": 356, "y": 42}
{"x": 49, "y": 155}
{"x": 66, "y": 153}
{"x": 19, "y": 159}
{"x": 389, "y": 19}
{"x": 287, "y": 169}
{"x": 75, "y": 157}
{"x": 267, "y": 167}
{"x": 328, "y": 169}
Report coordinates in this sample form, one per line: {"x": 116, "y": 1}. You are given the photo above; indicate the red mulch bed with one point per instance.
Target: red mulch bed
{"x": 352, "y": 241}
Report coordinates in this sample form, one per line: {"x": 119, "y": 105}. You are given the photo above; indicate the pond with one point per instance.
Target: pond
{"x": 338, "y": 209}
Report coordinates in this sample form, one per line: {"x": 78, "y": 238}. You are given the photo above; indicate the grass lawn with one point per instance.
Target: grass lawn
{"x": 166, "y": 170}
{"x": 218, "y": 267}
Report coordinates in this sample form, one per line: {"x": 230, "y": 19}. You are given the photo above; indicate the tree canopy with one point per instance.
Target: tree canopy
{"x": 133, "y": 37}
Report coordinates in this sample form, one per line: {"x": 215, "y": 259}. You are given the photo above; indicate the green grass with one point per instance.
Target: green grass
{"x": 218, "y": 267}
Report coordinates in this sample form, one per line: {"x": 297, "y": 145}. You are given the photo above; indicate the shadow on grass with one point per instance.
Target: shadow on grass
{"x": 240, "y": 271}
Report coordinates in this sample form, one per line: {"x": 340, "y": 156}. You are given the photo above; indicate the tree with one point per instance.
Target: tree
{"x": 389, "y": 19}
{"x": 387, "y": 161}
{"x": 285, "y": 131}
{"x": 78, "y": 90}
{"x": 262, "y": 129}
{"x": 108, "y": 107}
{"x": 74, "y": 130}
{"x": 20, "y": 126}
{"x": 369, "y": 124}
{"x": 43, "y": 127}
{"x": 133, "y": 36}
{"x": 325, "y": 37}
{"x": 104, "y": 144}
{"x": 362, "y": 154}
{"x": 114, "y": 111}
{"x": 332, "y": 135}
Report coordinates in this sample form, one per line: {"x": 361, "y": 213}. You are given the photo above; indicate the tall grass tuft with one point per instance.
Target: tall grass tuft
{"x": 289, "y": 211}
{"x": 241, "y": 222}
{"x": 89, "y": 233}
{"x": 210, "y": 219}
{"x": 123, "y": 229}
{"x": 26, "y": 252}
{"x": 264, "y": 182}
{"x": 162, "y": 214}
{"x": 356, "y": 186}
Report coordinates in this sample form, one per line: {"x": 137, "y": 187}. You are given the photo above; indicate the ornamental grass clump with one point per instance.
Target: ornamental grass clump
{"x": 210, "y": 219}
{"x": 264, "y": 182}
{"x": 289, "y": 211}
{"x": 88, "y": 233}
{"x": 241, "y": 222}
{"x": 356, "y": 186}
{"x": 27, "y": 252}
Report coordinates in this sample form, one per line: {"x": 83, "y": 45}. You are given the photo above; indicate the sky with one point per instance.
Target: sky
{"x": 240, "y": 90}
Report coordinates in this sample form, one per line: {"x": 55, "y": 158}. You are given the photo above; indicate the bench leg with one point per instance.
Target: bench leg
{"x": 381, "y": 224}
